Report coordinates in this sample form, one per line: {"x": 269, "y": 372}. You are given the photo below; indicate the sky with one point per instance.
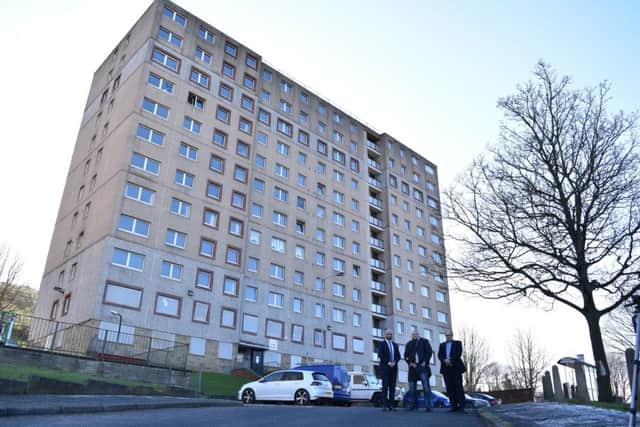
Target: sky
{"x": 429, "y": 73}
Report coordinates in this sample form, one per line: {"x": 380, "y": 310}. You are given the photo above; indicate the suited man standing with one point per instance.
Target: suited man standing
{"x": 417, "y": 354}
{"x": 389, "y": 354}
{"x": 452, "y": 368}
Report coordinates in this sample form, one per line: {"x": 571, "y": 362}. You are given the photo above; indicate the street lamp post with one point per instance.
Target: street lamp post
{"x": 115, "y": 313}
{"x": 322, "y": 302}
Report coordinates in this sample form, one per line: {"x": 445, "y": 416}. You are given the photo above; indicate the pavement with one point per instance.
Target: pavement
{"x": 544, "y": 414}
{"x": 46, "y": 404}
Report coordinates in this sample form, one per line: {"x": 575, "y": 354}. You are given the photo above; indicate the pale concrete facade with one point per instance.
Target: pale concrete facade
{"x": 346, "y": 192}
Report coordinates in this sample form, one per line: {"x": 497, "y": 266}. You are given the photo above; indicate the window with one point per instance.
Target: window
{"x": 188, "y": 151}
{"x": 223, "y": 114}
{"x": 220, "y": 138}
{"x": 195, "y": 101}
{"x": 202, "y": 55}
{"x": 338, "y": 290}
{"x": 286, "y": 87}
{"x": 251, "y": 293}
{"x": 320, "y": 258}
{"x": 170, "y": 37}
{"x": 160, "y": 83}
{"x": 245, "y": 125}
{"x": 301, "y": 203}
{"x": 338, "y": 241}
{"x": 437, "y": 258}
{"x": 279, "y": 218}
{"x": 175, "y": 16}
{"x": 356, "y": 295}
{"x": 300, "y": 226}
{"x": 180, "y": 207}
{"x": 230, "y": 49}
{"x": 254, "y": 236}
{"x": 276, "y": 271}
{"x": 145, "y": 163}
{"x": 433, "y": 203}
{"x": 133, "y": 225}
{"x": 441, "y": 296}
{"x": 236, "y": 227}
{"x": 398, "y": 304}
{"x": 233, "y": 255}
{"x": 278, "y": 245}
{"x": 265, "y": 96}
{"x": 175, "y": 238}
{"x": 285, "y": 128}
{"x": 216, "y": 164}
{"x": 258, "y": 185}
{"x": 249, "y": 82}
{"x": 274, "y": 329}
{"x": 230, "y": 286}
{"x": 301, "y": 180}
{"x": 299, "y": 252}
{"x": 276, "y": 299}
{"x": 252, "y": 61}
{"x": 225, "y": 91}
{"x": 302, "y": 158}
{"x": 285, "y": 106}
{"x": 253, "y": 264}
{"x": 141, "y": 194}
{"x": 191, "y": 125}
{"x": 338, "y": 137}
{"x": 228, "y": 70}
{"x": 264, "y": 117}
{"x": 66, "y": 302}
{"x": 280, "y": 194}
{"x": 338, "y": 197}
{"x": 240, "y": 174}
{"x": 123, "y": 296}
{"x": 339, "y": 342}
{"x": 424, "y": 291}
{"x": 267, "y": 75}
{"x": 170, "y": 270}
{"x": 400, "y": 328}
{"x": 256, "y": 210}
{"x": 204, "y": 279}
{"x": 298, "y": 278}
{"x": 200, "y": 312}
{"x": 318, "y": 338}
{"x": 228, "y": 318}
{"x": 184, "y": 179}
{"x": 205, "y": 34}
{"x": 320, "y": 235}
{"x": 242, "y": 149}
{"x": 338, "y": 156}
{"x": 167, "y": 305}
{"x": 297, "y": 333}
{"x": 200, "y": 78}
{"x": 249, "y": 324}
{"x": 338, "y": 219}
{"x": 322, "y": 147}
{"x": 155, "y": 108}
{"x": 207, "y": 248}
{"x": 127, "y": 259}
{"x": 442, "y": 317}
{"x": 160, "y": 57}
{"x": 303, "y": 117}
{"x": 321, "y": 127}
{"x": 210, "y": 218}
{"x": 214, "y": 190}
{"x": 339, "y": 315}
{"x": 436, "y": 239}
{"x": 247, "y": 103}
{"x": 281, "y": 170}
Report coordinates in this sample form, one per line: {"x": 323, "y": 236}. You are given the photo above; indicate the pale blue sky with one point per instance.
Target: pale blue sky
{"x": 429, "y": 73}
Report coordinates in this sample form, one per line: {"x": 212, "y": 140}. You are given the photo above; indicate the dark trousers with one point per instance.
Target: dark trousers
{"x": 389, "y": 386}
{"x": 453, "y": 382}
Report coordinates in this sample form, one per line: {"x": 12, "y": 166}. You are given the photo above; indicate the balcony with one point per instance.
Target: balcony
{"x": 376, "y": 263}
{"x": 376, "y": 222}
{"x": 375, "y": 183}
{"x": 379, "y": 309}
{"x": 375, "y": 202}
{"x": 378, "y": 287}
{"x": 375, "y": 165}
{"x": 377, "y": 333}
{"x": 373, "y": 146}
{"x": 376, "y": 243}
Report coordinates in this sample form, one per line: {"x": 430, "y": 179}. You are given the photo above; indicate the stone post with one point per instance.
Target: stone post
{"x": 557, "y": 385}
{"x": 582, "y": 393}
{"x": 547, "y": 386}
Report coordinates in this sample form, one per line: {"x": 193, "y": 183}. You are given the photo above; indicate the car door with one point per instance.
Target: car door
{"x": 292, "y": 381}
{"x": 268, "y": 387}
{"x": 358, "y": 387}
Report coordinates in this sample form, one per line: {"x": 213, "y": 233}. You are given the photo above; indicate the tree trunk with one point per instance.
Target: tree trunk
{"x": 602, "y": 366}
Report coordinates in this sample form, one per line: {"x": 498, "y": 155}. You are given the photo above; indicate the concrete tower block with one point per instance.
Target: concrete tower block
{"x": 557, "y": 384}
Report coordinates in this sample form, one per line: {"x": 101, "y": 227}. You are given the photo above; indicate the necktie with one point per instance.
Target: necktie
{"x": 417, "y": 359}
{"x": 390, "y": 351}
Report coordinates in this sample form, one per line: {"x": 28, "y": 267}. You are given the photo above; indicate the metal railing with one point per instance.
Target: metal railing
{"x": 373, "y": 146}
{"x": 375, "y": 202}
{"x": 379, "y": 309}
{"x": 376, "y": 263}
{"x": 378, "y": 286}
{"x": 86, "y": 340}
{"x": 377, "y": 222}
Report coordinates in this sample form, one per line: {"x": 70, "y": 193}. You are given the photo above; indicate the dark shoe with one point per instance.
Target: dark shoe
{"x": 392, "y": 409}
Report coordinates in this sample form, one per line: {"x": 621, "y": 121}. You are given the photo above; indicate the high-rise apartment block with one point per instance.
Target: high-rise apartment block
{"x": 215, "y": 201}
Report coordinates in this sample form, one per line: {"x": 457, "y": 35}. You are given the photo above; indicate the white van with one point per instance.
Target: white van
{"x": 367, "y": 388}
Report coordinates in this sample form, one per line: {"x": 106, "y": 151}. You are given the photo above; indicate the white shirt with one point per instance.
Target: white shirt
{"x": 390, "y": 350}
{"x": 447, "y": 349}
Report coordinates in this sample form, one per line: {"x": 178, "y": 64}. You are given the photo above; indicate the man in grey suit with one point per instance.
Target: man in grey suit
{"x": 417, "y": 354}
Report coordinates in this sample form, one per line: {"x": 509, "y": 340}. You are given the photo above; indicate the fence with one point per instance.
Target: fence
{"x": 86, "y": 340}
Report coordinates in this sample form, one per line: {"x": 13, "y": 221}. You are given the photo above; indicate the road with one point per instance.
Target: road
{"x": 255, "y": 415}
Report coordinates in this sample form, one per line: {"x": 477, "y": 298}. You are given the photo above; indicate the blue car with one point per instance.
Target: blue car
{"x": 438, "y": 400}
{"x": 339, "y": 378}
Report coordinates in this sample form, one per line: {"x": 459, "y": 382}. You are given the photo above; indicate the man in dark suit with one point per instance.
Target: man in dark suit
{"x": 417, "y": 354}
{"x": 389, "y": 354}
{"x": 452, "y": 368}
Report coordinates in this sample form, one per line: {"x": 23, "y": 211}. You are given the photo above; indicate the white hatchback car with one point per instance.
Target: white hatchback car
{"x": 298, "y": 386}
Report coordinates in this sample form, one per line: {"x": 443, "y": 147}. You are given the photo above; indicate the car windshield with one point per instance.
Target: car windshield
{"x": 371, "y": 379}
{"x": 320, "y": 377}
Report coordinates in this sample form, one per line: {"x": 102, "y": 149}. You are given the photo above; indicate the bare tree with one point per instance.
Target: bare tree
{"x": 552, "y": 213}
{"x": 476, "y": 357}
{"x": 10, "y": 269}
{"x": 528, "y": 360}
{"x": 494, "y": 376}
{"x": 618, "y": 329}
{"x": 619, "y": 375}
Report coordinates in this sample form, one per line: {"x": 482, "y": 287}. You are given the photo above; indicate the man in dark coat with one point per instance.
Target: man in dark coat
{"x": 389, "y": 354}
{"x": 452, "y": 368}
{"x": 417, "y": 354}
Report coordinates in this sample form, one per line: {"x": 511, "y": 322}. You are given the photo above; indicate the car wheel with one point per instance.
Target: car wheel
{"x": 301, "y": 397}
{"x": 248, "y": 396}
{"x": 439, "y": 405}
